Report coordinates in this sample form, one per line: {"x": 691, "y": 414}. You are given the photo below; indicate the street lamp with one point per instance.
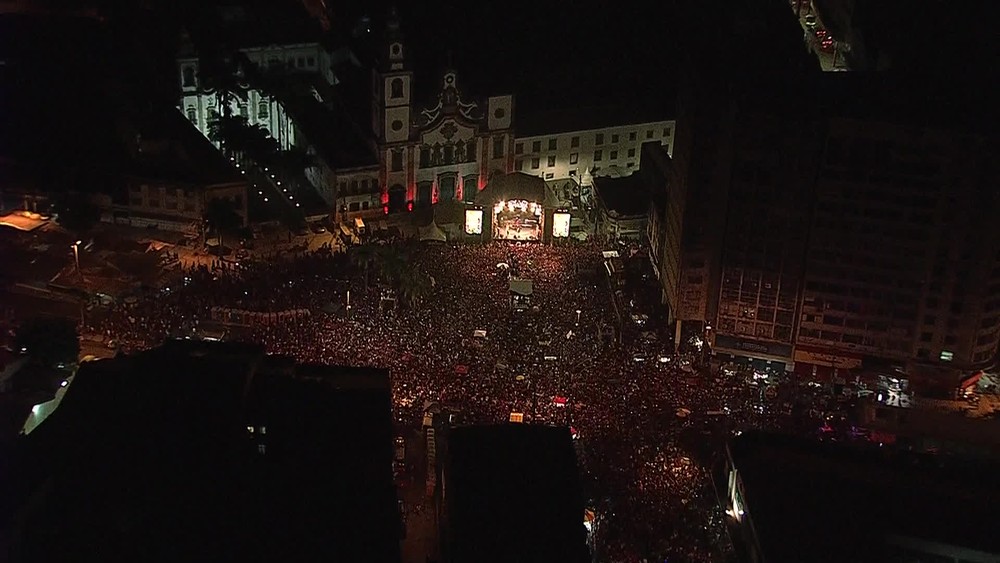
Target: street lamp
{"x": 577, "y": 316}
{"x": 76, "y": 255}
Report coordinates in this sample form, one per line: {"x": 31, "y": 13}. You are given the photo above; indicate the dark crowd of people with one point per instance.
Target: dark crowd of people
{"x": 638, "y": 411}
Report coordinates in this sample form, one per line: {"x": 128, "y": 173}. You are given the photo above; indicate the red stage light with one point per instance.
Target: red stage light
{"x": 409, "y": 206}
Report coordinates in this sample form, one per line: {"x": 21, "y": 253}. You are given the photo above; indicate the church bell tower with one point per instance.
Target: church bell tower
{"x": 391, "y": 88}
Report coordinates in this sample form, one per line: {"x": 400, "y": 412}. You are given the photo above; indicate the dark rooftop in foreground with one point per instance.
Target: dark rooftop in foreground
{"x": 209, "y": 452}
{"x": 512, "y": 493}
{"x": 628, "y": 196}
{"x": 585, "y": 118}
{"x": 812, "y": 501}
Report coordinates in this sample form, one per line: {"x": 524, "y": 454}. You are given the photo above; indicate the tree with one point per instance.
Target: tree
{"x": 365, "y": 256}
{"x": 414, "y": 286}
{"x": 48, "y": 341}
{"x": 77, "y": 213}
{"x": 221, "y": 216}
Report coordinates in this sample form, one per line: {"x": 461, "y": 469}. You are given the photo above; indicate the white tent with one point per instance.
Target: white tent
{"x": 432, "y": 233}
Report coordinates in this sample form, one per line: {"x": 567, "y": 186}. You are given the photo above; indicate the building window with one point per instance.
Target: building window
{"x": 397, "y": 161}
{"x": 498, "y": 147}
{"x": 552, "y": 144}
{"x": 572, "y": 173}
{"x": 649, "y": 134}
{"x": 551, "y": 161}
{"x": 536, "y": 146}
{"x": 354, "y": 187}
{"x": 549, "y": 175}
{"x": 631, "y": 136}
{"x": 574, "y": 158}
{"x": 364, "y": 205}
{"x": 614, "y": 155}
{"x": 425, "y": 156}
{"x": 631, "y": 153}
{"x": 947, "y": 356}
{"x": 666, "y": 131}
{"x": 353, "y": 206}
{"x": 262, "y": 108}
{"x": 261, "y": 449}
{"x": 518, "y": 148}
{"x": 396, "y": 88}
{"x": 534, "y": 164}
{"x": 449, "y": 154}
{"x": 519, "y": 164}
{"x": 614, "y": 138}
{"x": 598, "y": 155}
{"x": 244, "y": 112}
{"x": 630, "y": 165}
{"x": 192, "y": 115}
{"x": 600, "y": 139}
{"x": 574, "y": 142}
{"x": 188, "y": 77}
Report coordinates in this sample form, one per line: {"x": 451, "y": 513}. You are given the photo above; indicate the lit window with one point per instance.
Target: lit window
{"x": 250, "y": 429}
{"x": 549, "y": 175}
{"x": 946, "y": 356}
{"x": 263, "y": 429}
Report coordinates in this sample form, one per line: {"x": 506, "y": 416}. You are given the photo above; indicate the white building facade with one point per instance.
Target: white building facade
{"x": 607, "y": 151}
{"x": 201, "y": 105}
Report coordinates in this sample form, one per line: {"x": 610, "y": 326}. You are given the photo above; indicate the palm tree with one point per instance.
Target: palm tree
{"x": 220, "y": 216}
{"x": 365, "y": 256}
{"x": 414, "y": 286}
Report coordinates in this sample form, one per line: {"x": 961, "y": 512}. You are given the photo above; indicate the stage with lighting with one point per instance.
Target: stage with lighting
{"x": 516, "y": 207}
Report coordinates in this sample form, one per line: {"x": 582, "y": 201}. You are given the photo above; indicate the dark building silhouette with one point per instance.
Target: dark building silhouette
{"x": 792, "y": 499}
{"x": 199, "y": 452}
{"x": 827, "y": 223}
{"x": 512, "y": 493}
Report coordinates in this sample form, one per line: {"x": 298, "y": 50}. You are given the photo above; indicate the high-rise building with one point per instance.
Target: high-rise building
{"x": 746, "y": 143}
{"x": 903, "y": 260}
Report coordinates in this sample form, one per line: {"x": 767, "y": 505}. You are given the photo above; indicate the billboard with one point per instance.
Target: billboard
{"x": 473, "y": 221}
{"x": 560, "y": 224}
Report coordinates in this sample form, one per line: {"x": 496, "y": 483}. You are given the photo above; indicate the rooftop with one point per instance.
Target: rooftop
{"x": 514, "y": 481}
{"x": 211, "y": 451}
{"x": 819, "y": 501}
{"x": 628, "y": 196}
{"x": 586, "y": 118}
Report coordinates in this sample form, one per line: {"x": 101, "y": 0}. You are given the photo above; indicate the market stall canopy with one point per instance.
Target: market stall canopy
{"x": 516, "y": 186}
{"x": 520, "y": 287}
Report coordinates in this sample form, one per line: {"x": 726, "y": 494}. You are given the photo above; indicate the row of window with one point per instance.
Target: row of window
{"x": 574, "y": 142}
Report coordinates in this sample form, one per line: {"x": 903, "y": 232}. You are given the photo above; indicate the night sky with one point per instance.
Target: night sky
{"x": 555, "y": 54}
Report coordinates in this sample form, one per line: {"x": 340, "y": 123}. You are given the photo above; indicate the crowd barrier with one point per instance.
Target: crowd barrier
{"x": 250, "y": 318}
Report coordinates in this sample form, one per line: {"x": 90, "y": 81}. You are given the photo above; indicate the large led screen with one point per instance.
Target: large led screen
{"x": 473, "y": 221}
{"x": 560, "y": 224}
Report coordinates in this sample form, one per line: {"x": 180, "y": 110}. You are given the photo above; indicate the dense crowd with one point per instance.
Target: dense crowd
{"x": 638, "y": 412}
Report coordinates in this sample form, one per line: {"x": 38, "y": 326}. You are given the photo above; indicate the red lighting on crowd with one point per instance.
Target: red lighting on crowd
{"x": 385, "y": 209}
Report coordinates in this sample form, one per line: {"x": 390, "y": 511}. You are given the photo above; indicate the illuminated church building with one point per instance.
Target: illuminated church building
{"x": 445, "y": 151}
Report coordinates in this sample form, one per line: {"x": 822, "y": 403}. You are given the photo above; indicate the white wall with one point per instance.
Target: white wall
{"x": 620, "y": 142}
